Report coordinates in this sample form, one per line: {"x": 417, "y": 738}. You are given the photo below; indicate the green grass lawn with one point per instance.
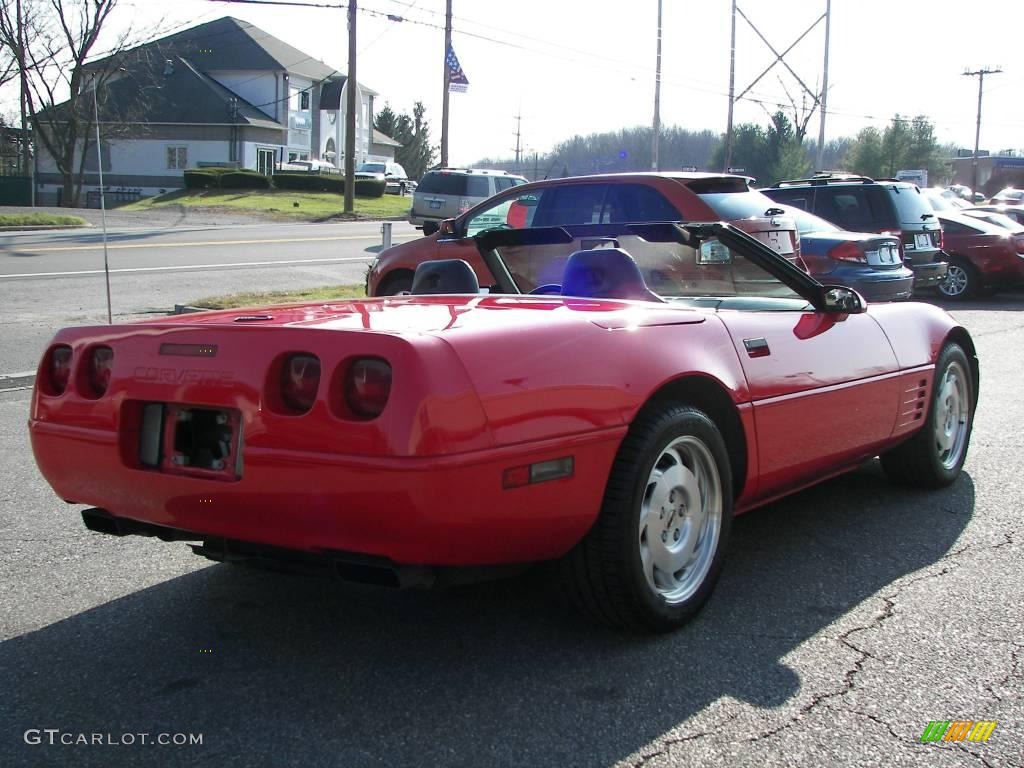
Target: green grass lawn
{"x": 278, "y": 204}
{"x": 327, "y": 293}
{"x": 39, "y": 220}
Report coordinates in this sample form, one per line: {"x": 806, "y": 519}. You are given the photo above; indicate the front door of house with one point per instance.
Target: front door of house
{"x": 265, "y": 161}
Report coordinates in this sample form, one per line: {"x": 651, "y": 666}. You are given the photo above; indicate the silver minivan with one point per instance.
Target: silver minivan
{"x": 445, "y": 193}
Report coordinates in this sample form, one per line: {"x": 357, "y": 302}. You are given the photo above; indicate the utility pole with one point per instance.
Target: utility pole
{"x": 819, "y": 165}
{"x": 351, "y": 86}
{"x": 732, "y": 92}
{"x": 519, "y": 125}
{"x": 980, "y": 74}
{"x": 656, "y": 137}
{"x": 447, "y": 82}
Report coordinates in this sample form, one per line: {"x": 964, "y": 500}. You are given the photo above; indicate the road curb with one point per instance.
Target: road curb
{"x": 42, "y": 227}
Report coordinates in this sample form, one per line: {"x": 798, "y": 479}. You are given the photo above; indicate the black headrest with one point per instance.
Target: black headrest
{"x": 605, "y": 273}
{"x": 444, "y": 276}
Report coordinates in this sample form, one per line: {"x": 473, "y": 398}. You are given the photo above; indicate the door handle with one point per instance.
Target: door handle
{"x": 757, "y": 347}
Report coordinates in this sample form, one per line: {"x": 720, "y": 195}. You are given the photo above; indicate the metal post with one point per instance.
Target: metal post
{"x": 447, "y": 80}
{"x": 103, "y": 199}
{"x": 732, "y": 91}
{"x": 351, "y": 86}
{"x": 385, "y": 232}
{"x": 656, "y": 133}
{"x": 819, "y": 165}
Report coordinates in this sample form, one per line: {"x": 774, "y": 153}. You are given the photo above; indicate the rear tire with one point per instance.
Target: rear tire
{"x": 394, "y": 284}
{"x": 655, "y": 552}
{"x": 934, "y": 456}
{"x": 961, "y": 281}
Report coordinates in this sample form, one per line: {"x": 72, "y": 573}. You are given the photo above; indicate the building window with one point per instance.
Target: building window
{"x": 177, "y": 158}
{"x": 304, "y": 100}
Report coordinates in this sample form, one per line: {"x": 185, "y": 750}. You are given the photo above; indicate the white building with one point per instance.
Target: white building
{"x": 224, "y": 93}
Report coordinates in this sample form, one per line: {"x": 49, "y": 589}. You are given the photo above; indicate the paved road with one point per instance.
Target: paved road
{"x": 848, "y": 617}
{"x": 55, "y": 278}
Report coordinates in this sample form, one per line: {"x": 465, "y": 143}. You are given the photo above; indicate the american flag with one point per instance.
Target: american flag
{"x": 457, "y": 80}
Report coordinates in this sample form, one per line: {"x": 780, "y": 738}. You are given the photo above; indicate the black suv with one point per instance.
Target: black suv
{"x": 860, "y": 204}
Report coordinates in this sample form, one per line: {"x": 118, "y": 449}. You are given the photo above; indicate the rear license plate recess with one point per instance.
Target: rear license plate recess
{"x": 191, "y": 439}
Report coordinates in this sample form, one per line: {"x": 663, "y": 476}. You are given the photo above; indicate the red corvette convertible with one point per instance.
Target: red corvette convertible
{"x": 623, "y": 393}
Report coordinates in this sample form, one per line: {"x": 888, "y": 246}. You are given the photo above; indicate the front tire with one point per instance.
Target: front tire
{"x": 655, "y": 552}
{"x": 934, "y": 456}
{"x": 961, "y": 281}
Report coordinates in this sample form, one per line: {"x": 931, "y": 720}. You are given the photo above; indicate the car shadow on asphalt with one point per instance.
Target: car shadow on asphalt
{"x": 301, "y": 671}
{"x": 1008, "y": 300}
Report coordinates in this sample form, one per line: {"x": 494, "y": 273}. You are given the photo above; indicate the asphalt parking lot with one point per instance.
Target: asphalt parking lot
{"x": 849, "y": 616}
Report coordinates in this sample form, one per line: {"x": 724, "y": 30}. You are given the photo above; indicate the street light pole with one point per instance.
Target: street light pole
{"x": 103, "y": 199}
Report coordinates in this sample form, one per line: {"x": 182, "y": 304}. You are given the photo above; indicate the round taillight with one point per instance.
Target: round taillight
{"x": 101, "y": 363}
{"x": 367, "y": 387}
{"x": 300, "y": 380}
{"x": 59, "y": 369}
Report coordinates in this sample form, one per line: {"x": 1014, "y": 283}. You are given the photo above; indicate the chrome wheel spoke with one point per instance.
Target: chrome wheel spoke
{"x": 680, "y": 519}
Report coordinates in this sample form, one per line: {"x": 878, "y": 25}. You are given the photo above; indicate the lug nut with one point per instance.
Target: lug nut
{"x": 676, "y": 535}
{"x": 664, "y": 536}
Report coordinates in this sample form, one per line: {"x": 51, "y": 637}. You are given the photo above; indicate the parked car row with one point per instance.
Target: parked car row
{"x": 884, "y": 238}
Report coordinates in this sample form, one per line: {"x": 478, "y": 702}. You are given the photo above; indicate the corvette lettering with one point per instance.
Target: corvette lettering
{"x": 184, "y": 376}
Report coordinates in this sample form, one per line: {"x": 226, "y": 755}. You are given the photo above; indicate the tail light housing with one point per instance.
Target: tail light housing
{"x": 300, "y": 381}
{"x": 58, "y": 369}
{"x": 848, "y": 252}
{"x": 367, "y": 386}
{"x": 100, "y": 365}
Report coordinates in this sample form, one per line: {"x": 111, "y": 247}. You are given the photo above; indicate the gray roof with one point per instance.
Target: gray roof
{"x": 226, "y": 44}
{"x": 178, "y": 93}
{"x": 383, "y": 138}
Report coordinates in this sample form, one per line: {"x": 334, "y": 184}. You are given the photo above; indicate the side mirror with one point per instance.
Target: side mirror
{"x": 447, "y": 227}
{"x": 841, "y": 300}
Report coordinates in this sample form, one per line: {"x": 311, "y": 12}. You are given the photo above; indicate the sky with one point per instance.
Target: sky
{"x": 557, "y": 68}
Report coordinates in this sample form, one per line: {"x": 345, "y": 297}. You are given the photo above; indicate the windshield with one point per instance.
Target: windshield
{"x": 999, "y": 219}
{"x": 372, "y": 168}
{"x": 669, "y": 270}
{"x": 739, "y": 205}
{"x": 808, "y": 222}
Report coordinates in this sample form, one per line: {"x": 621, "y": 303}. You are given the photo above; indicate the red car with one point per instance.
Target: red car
{"x": 983, "y": 257}
{"x": 611, "y": 424}
{"x": 600, "y": 199}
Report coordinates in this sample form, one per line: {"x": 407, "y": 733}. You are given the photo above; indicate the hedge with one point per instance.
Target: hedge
{"x": 244, "y": 180}
{"x": 228, "y": 178}
{"x": 225, "y": 178}
{"x": 313, "y": 182}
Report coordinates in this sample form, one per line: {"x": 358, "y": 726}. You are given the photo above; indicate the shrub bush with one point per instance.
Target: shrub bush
{"x": 313, "y": 182}
{"x": 201, "y": 180}
{"x": 244, "y": 180}
{"x": 309, "y": 182}
{"x": 370, "y": 187}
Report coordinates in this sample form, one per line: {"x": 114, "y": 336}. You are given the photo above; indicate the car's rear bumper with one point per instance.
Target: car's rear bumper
{"x": 886, "y": 287}
{"x": 447, "y": 510}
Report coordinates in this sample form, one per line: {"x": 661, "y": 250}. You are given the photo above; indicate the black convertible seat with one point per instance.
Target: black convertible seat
{"x": 444, "y": 276}
{"x": 605, "y": 273}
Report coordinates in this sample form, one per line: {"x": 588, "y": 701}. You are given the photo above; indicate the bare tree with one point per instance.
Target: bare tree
{"x": 49, "y": 41}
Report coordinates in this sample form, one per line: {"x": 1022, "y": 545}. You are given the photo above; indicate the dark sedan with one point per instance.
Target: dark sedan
{"x": 870, "y": 263}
